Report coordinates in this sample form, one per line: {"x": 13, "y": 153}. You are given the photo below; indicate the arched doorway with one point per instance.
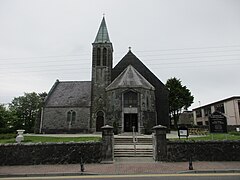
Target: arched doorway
{"x": 99, "y": 121}
{"x": 130, "y": 103}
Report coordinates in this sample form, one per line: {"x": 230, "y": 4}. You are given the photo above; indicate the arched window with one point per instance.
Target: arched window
{"x": 71, "y": 116}
{"x": 99, "y": 121}
{"x": 98, "y": 56}
{"x": 104, "y": 56}
{"x": 130, "y": 99}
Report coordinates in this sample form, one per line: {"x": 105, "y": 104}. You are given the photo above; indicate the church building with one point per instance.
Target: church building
{"x": 126, "y": 96}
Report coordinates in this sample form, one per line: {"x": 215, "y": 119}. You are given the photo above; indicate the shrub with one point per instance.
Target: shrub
{"x": 7, "y": 136}
{"x": 235, "y": 133}
{"x": 7, "y": 131}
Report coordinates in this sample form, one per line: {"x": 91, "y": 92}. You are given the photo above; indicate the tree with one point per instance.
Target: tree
{"x": 179, "y": 98}
{"x": 3, "y": 118}
{"x": 6, "y": 116}
{"x": 27, "y": 109}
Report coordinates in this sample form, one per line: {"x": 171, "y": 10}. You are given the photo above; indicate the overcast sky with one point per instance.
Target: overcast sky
{"x": 197, "y": 41}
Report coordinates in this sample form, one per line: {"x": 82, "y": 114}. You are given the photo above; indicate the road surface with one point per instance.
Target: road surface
{"x": 215, "y": 176}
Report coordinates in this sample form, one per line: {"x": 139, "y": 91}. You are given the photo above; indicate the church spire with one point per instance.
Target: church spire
{"x": 102, "y": 35}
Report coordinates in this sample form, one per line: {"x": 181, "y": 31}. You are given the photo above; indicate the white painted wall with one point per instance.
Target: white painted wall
{"x": 231, "y": 112}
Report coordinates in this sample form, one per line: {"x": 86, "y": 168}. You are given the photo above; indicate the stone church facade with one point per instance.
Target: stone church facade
{"x": 126, "y": 96}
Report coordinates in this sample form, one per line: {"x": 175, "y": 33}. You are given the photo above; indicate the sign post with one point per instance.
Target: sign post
{"x": 183, "y": 131}
{"x": 217, "y": 123}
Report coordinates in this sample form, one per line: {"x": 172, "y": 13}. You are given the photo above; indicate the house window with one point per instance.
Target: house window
{"x": 200, "y": 123}
{"x": 71, "y": 116}
{"x": 220, "y": 108}
{"x": 104, "y": 56}
{"x": 198, "y": 113}
{"x": 98, "y": 56}
{"x": 207, "y": 111}
{"x": 130, "y": 99}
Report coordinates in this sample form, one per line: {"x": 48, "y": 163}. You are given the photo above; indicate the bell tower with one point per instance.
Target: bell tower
{"x": 102, "y": 61}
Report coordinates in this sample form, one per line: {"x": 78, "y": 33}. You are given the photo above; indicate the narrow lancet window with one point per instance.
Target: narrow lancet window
{"x": 104, "y": 56}
{"x": 71, "y": 116}
{"x": 98, "y": 56}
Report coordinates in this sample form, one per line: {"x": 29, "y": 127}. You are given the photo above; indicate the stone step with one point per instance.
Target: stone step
{"x": 133, "y": 155}
{"x": 132, "y": 150}
{"x": 124, "y": 147}
{"x": 130, "y": 138}
{"x": 138, "y": 146}
{"x": 130, "y": 141}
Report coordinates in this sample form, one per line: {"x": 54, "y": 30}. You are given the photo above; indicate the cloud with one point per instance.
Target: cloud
{"x": 41, "y": 41}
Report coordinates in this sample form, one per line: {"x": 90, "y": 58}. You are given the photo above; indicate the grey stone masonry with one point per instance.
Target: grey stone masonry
{"x": 55, "y": 120}
{"x": 50, "y": 153}
{"x": 159, "y": 143}
{"x": 203, "y": 150}
{"x": 101, "y": 78}
{"x": 107, "y": 144}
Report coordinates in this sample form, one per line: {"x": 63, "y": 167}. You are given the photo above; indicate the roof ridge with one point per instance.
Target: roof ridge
{"x": 72, "y": 81}
{"x": 131, "y": 57}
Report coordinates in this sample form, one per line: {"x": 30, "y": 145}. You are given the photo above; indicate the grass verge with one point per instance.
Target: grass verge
{"x": 209, "y": 137}
{"x": 37, "y": 139}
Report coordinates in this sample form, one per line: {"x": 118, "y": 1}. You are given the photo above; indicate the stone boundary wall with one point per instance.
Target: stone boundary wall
{"x": 203, "y": 150}
{"x": 50, "y": 153}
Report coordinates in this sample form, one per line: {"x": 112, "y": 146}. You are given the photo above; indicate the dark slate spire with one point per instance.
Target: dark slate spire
{"x": 102, "y": 35}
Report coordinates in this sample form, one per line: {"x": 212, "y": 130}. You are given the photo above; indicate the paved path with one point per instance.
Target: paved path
{"x": 173, "y": 134}
{"x": 121, "y": 166}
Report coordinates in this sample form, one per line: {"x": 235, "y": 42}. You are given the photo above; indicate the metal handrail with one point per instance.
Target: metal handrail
{"x": 134, "y": 140}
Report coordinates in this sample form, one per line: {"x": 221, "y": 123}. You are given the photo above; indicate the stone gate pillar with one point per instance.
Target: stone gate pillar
{"x": 159, "y": 143}
{"x": 108, "y": 144}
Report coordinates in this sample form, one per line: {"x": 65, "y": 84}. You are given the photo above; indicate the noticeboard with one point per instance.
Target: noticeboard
{"x": 183, "y": 131}
{"x": 217, "y": 123}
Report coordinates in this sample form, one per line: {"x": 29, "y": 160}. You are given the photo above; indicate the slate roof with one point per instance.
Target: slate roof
{"x": 161, "y": 92}
{"x": 131, "y": 59}
{"x": 69, "y": 93}
{"x": 218, "y": 102}
{"x": 102, "y": 35}
{"x": 130, "y": 77}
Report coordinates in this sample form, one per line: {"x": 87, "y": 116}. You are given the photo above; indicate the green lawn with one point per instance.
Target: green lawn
{"x": 36, "y": 139}
{"x": 10, "y": 138}
{"x": 209, "y": 137}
